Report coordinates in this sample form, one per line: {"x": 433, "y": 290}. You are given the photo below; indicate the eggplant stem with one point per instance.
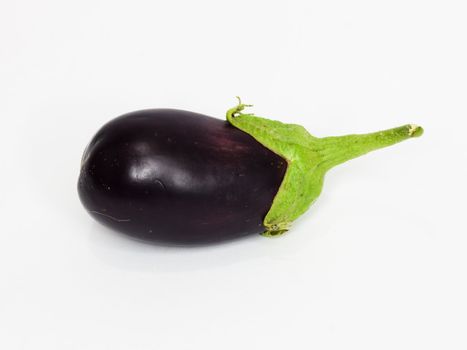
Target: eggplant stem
{"x": 308, "y": 159}
{"x": 339, "y": 149}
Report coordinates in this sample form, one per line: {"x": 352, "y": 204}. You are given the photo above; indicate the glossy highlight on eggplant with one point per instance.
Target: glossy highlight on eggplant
{"x": 178, "y": 177}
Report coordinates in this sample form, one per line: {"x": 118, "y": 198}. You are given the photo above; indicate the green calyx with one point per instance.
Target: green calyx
{"x": 308, "y": 158}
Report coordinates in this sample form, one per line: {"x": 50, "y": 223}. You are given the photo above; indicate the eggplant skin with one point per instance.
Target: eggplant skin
{"x": 178, "y": 177}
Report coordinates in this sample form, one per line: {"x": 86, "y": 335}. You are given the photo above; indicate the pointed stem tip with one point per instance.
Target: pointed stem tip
{"x": 415, "y": 130}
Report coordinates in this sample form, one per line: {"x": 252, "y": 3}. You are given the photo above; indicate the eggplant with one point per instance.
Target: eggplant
{"x": 178, "y": 177}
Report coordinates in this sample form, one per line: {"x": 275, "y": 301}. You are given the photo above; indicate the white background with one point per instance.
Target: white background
{"x": 379, "y": 262}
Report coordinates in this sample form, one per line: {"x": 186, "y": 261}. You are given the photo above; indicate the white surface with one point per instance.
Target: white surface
{"x": 379, "y": 262}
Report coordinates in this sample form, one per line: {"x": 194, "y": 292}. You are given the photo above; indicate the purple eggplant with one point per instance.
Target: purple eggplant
{"x": 178, "y": 177}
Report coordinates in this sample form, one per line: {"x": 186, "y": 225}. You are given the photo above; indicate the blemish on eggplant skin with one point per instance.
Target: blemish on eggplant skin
{"x": 160, "y": 183}
{"x": 109, "y": 216}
